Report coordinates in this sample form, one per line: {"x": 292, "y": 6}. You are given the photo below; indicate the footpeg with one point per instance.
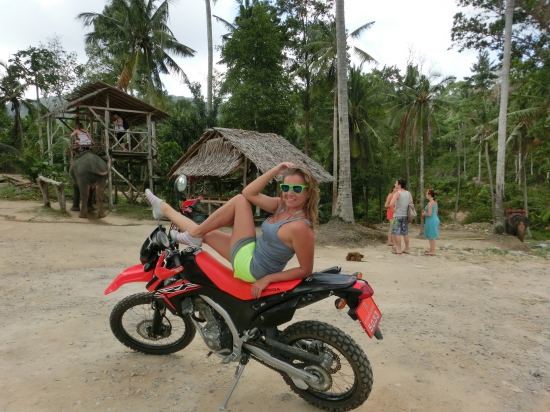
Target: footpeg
{"x": 230, "y": 358}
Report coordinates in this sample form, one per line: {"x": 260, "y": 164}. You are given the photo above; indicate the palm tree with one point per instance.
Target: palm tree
{"x": 12, "y": 90}
{"x": 135, "y": 32}
{"x": 344, "y": 201}
{"x": 210, "y": 55}
{"x": 365, "y": 108}
{"x": 504, "y": 89}
{"x": 323, "y": 45}
{"x": 420, "y": 99}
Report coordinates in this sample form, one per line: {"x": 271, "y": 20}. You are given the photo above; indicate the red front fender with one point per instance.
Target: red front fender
{"x": 132, "y": 274}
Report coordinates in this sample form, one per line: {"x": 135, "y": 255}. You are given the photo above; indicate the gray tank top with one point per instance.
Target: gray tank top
{"x": 271, "y": 254}
{"x": 402, "y": 203}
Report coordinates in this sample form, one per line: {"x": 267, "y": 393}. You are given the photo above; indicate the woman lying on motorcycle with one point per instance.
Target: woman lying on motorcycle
{"x": 287, "y": 232}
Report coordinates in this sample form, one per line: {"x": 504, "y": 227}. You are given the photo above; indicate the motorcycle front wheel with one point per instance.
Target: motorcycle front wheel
{"x": 347, "y": 382}
{"x": 131, "y": 320}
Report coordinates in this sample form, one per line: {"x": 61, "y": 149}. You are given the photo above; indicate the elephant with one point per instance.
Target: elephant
{"x": 89, "y": 172}
{"x": 516, "y": 225}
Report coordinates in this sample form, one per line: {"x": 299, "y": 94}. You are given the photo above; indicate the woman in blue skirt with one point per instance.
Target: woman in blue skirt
{"x": 431, "y": 221}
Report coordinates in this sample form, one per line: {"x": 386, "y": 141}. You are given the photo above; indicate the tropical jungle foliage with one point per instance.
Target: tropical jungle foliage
{"x": 278, "y": 74}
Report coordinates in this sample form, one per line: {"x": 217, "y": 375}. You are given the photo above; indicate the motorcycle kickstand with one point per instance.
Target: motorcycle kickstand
{"x": 238, "y": 372}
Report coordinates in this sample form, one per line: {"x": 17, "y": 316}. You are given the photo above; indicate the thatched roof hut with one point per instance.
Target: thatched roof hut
{"x": 221, "y": 152}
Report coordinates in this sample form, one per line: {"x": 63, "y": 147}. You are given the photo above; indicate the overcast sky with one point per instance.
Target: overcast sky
{"x": 400, "y": 25}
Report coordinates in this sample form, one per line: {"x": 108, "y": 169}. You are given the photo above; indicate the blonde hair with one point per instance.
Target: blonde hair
{"x": 311, "y": 207}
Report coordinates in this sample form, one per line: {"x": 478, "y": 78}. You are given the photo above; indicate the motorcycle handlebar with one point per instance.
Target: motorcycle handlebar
{"x": 176, "y": 258}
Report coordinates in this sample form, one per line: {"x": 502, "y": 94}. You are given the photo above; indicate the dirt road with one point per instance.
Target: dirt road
{"x": 467, "y": 330}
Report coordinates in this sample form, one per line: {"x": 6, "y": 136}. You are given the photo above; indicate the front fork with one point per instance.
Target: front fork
{"x": 157, "y": 328}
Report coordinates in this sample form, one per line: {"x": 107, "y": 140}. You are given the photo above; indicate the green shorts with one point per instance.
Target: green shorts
{"x": 241, "y": 255}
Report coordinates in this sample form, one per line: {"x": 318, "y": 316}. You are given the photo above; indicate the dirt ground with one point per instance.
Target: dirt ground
{"x": 467, "y": 330}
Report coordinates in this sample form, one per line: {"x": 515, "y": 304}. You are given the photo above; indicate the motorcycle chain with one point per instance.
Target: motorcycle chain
{"x": 284, "y": 374}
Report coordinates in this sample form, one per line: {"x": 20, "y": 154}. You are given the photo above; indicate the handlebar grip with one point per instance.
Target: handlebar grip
{"x": 196, "y": 202}
{"x": 177, "y": 261}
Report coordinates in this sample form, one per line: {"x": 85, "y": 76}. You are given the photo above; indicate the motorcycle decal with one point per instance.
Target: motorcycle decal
{"x": 176, "y": 289}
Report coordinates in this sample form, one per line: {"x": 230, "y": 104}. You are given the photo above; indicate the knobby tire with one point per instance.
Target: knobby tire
{"x": 137, "y": 309}
{"x": 360, "y": 385}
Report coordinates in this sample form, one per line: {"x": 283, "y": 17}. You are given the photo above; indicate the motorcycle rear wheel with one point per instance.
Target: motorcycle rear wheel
{"x": 132, "y": 315}
{"x": 351, "y": 372}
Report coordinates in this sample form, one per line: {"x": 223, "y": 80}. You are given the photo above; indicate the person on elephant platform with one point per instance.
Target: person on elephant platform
{"x": 118, "y": 124}
{"x": 84, "y": 138}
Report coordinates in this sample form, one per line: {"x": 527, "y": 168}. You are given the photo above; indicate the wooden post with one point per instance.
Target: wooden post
{"x": 245, "y": 168}
{"x": 44, "y": 190}
{"x": 109, "y": 160}
{"x": 61, "y": 197}
{"x": 43, "y": 183}
{"x": 150, "y": 149}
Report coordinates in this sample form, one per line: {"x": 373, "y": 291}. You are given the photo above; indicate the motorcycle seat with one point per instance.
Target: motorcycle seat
{"x": 223, "y": 278}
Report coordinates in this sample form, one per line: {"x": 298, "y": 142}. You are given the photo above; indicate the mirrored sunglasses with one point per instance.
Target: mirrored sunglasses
{"x": 295, "y": 188}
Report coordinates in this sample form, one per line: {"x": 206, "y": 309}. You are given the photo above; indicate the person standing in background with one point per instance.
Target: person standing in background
{"x": 400, "y": 224}
{"x": 431, "y": 221}
{"x": 389, "y": 214}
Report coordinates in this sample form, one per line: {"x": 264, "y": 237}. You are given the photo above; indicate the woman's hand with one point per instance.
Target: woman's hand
{"x": 258, "y": 287}
{"x": 283, "y": 167}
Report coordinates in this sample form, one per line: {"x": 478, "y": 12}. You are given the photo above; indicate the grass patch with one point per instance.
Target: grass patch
{"x": 543, "y": 253}
{"x": 496, "y": 251}
{"x": 53, "y": 212}
{"x": 132, "y": 211}
{"x": 19, "y": 193}
{"x": 540, "y": 234}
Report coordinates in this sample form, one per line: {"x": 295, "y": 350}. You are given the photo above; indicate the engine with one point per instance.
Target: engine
{"x": 213, "y": 329}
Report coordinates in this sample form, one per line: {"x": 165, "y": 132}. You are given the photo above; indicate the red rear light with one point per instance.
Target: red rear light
{"x": 364, "y": 287}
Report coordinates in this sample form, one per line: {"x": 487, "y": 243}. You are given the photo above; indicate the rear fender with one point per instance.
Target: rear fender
{"x": 132, "y": 274}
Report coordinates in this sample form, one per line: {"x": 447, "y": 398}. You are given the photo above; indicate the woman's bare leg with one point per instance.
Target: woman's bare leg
{"x": 432, "y": 246}
{"x": 236, "y": 211}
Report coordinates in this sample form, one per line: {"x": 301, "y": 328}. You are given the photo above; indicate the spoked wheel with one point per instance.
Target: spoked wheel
{"x": 345, "y": 380}
{"x": 131, "y": 322}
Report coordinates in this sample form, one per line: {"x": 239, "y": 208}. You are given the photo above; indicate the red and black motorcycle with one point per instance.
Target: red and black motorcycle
{"x": 189, "y": 291}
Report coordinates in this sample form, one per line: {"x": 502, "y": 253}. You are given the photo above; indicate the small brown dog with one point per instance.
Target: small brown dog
{"x": 354, "y": 256}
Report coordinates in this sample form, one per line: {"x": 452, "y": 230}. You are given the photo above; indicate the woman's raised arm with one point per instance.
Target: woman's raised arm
{"x": 253, "y": 194}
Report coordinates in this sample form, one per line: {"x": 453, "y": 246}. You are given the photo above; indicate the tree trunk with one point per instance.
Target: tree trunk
{"x": 490, "y": 174}
{"x": 458, "y": 175}
{"x": 479, "y": 161}
{"x": 345, "y": 202}
{"x": 210, "y": 57}
{"x": 421, "y": 194}
{"x": 501, "y": 154}
{"x": 17, "y": 129}
{"x": 525, "y": 199}
{"x": 307, "y": 110}
{"x": 39, "y": 124}
{"x": 464, "y": 171}
{"x": 520, "y": 164}
{"x": 335, "y": 152}
{"x": 407, "y": 170}
{"x": 381, "y": 213}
